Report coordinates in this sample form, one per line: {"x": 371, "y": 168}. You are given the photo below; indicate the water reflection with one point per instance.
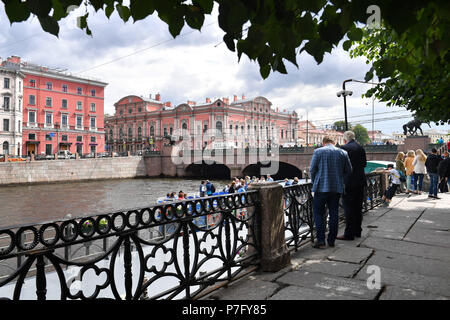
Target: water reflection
{"x": 47, "y": 202}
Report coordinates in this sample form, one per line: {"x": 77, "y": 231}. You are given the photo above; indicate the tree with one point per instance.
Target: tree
{"x": 340, "y": 126}
{"x": 271, "y": 32}
{"x": 361, "y": 134}
{"x": 412, "y": 80}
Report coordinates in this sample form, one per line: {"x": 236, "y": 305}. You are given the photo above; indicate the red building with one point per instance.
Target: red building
{"x": 60, "y": 111}
{"x": 141, "y": 123}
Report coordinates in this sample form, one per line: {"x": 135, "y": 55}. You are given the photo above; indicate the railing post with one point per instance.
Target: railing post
{"x": 274, "y": 252}
{"x": 41, "y": 282}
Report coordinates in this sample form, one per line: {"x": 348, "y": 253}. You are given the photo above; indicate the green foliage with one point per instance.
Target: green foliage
{"x": 413, "y": 66}
{"x": 340, "y": 126}
{"x": 411, "y": 52}
{"x": 361, "y": 134}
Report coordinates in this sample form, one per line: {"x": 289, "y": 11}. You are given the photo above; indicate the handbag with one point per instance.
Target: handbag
{"x": 402, "y": 176}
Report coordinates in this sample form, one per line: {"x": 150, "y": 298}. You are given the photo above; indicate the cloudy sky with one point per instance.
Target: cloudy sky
{"x": 142, "y": 58}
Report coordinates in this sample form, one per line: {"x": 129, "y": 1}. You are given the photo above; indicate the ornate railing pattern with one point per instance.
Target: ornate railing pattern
{"x": 298, "y": 208}
{"x": 298, "y": 217}
{"x": 171, "y": 251}
{"x": 373, "y": 191}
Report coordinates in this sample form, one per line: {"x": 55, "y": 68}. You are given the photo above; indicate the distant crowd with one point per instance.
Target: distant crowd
{"x": 207, "y": 187}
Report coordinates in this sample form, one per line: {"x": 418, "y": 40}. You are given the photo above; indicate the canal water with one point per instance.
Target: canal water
{"x": 24, "y": 204}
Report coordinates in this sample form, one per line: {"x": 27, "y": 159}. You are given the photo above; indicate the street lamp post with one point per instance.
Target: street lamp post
{"x": 346, "y": 93}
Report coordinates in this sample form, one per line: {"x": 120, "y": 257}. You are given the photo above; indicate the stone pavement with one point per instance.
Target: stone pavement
{"x": 407, "y": 242}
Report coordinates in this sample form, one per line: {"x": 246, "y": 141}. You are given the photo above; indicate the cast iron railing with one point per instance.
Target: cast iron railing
{"x": 298, "y": 209}
{"x": 298, "y": 214}
{"x": 170, "y": 251}
{"x": 177, "y": 250}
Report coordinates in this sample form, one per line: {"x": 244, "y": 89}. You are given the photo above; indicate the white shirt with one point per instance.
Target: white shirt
{"x": 395, "y": 176}
{"x": 419, "y": 166}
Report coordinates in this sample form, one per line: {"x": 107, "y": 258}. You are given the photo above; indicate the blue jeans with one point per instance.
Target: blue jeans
{"x": 434, "y": 181}
{"x": 418, "y": 181}
{"x": 331, "y": 199}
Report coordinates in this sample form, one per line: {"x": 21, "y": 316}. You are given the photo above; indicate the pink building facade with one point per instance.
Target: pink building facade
{"x": 140, "y": 123}
{"x": 60, "y": 111}
{"x": 310, "y": 135}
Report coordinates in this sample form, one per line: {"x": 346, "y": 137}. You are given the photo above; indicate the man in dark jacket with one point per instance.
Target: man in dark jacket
{"x": 353, "y": 196}
{"x": 444, "y": 172}
{"x": 431, "y": 164}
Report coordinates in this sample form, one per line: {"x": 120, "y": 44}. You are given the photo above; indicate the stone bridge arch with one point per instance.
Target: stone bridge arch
{"x": 283, "y": 170}
{"x": 208, "y": 171}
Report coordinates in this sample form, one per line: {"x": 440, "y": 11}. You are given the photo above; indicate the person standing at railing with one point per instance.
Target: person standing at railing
{"x": 353, "y": 196}
{"x": 419, "y": 170}
{"x": 395, "y": 183}
{"x": 444, "y": 173}
{"x": 408, "y": 163}
{"x": 202, "y": 188}
{"x": 431, "y": 164}
{"x": 400, "y": 167}
{"x": 330, "y": 168}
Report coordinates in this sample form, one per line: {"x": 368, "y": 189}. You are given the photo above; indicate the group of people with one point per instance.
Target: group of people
{"x": 412, "y": 168}
{"x": 339, "y": 172}
{"x": 207, "y": 188}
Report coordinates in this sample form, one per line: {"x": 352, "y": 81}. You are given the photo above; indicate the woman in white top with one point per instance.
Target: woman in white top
{"x": 419, "y": 171}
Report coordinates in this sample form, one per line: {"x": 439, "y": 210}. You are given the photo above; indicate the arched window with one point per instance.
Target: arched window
{"x": 184, "y": 126}
{"x": 130, "y": 132}
{"x": 5, "y": 147}
{"x": 120, "y": 134}
{"x": 152, "y": 130}
{"x": 219, "y": 126}
{"x": 139, "y": 133}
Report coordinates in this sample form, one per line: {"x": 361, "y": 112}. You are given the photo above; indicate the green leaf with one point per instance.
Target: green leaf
{"x": 40, "y": 8}
{"x": 140, "y": 9}
{"x": 16, "y": 11}
{"x": 355, "y": 34}
{"x": 58, "y": 10}
{"x": 264, "y": 71}
{"x": 229, "y": 41}
{"x": 84, "y": 25}
{"x": 97, "y": 4}
{"x": 347, "y": 45}
{"x": 49, "y": 25}
{"x": 124, "y": 12}
{"x": 109, "y": 10}
{"x": 194, "y": 17}
{"x": 206, "y": 5}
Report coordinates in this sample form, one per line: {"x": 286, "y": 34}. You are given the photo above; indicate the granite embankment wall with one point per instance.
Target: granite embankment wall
{"x": 72, "y": 170}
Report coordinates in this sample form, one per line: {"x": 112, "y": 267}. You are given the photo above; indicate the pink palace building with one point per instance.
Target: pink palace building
{"x": 145, "y": 123}
{"x": 60, "y": 111}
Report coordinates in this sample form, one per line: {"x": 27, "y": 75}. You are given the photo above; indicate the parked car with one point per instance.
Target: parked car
{"x": 103, "y": 154}
{"x": 65, "y": 154}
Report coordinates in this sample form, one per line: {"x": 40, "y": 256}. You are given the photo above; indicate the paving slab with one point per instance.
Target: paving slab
{"x": 335, "y": 268}
{"x": 302, "y": 293}
{"x": 408, "y": 248}
{"x": 336, "y": 285}
{"x": 351, "y": 255}
{"x": 396, "y": 293}
{"x": 249, "y": 288}
{"x": 393, "y": 225}
{"x": 435, "y": 285}
{"x": 407, "y": 263}
{"x": 432, "y": 222}
{"x": 307, "y": 252}
{"x": 429, "y": 236}
{"x": 386, "y": 234}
